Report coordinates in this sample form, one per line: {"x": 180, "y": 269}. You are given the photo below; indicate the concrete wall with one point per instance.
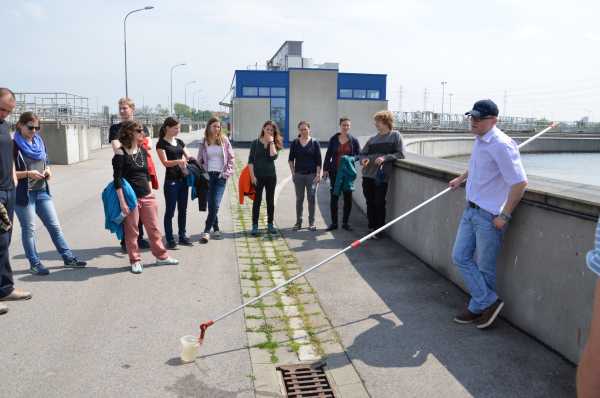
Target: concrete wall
{"x": 542, "y": 275}
{"x": 94, "y": 138}
{"x": 248, "y": 116}
{"x": 361, "y": 114}
{"x": 442, "y": 147}
{"x": 313, "y": 97}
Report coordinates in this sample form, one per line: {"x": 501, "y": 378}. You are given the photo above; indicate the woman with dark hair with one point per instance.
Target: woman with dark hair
{"x": 340, "y": 145}
{"x": 33, "y": 195}
{"x": 261, "y": 163}
{"x": 216, "y": 156}
{"x": 174, "y": 155}
{"x": 130, "y": 163}
{"x": 305, "y": 164}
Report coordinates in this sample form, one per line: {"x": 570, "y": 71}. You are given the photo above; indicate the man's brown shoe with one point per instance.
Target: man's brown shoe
{"x": 466, "y": 317}
{"x": 17, "y": 294}
{"x": 490, "y": 314}
{"x": 3, "y": 309}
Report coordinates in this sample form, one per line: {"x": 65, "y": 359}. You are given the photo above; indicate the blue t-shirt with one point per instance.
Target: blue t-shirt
{"x": 306, "y": 158}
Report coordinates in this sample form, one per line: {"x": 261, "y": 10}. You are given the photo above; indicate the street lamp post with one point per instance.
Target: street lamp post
{"x": 172, "y": 68}
{"x": 443, "y": 87}
{"x": 194, "y": 105}
{"x": 185, "y": 90}
{"x": 125, "y": 41}
{"x": 450, "y": 102}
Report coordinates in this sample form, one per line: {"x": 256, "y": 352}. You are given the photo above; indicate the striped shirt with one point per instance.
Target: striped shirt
{"x": 593, "y": 256}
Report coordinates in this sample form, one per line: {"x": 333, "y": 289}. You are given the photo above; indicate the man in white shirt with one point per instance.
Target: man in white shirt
{"x": 496, "y": 182}
{"x": 588, "y": 372}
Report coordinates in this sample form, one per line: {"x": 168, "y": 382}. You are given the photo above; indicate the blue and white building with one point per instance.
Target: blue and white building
{"x": 293, "y": 88}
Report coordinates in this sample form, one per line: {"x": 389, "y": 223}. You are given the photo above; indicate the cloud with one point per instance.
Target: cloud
{"x": 32, "y": 9}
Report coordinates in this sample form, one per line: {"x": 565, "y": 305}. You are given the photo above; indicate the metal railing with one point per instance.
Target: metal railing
{"x": 430, "y": 121}
{"x": 59, "y": 107}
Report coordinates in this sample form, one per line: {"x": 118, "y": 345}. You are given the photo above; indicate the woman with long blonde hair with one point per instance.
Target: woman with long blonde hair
{"x": 216, "y": 156}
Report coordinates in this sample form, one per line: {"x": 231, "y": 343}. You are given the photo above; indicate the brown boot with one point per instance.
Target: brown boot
{"x": 490, "y": 314}
{"x": 17, "y": 294}
{"x": 466, "y": 317}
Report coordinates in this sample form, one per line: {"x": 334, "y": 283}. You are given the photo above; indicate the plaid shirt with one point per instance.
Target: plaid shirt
{"x": 593, "y": 256}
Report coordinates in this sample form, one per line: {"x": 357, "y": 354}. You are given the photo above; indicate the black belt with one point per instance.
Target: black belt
{"x": 305, "y": 173}
{"x": 474, "y": 206}
{"x": 477, "y": 207}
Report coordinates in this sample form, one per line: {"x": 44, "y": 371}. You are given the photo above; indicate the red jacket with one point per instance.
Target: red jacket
{"x": 245, "y": 187}
{"x": 151, "y": 167}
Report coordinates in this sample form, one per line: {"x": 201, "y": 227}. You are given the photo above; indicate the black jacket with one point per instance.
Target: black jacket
{"x": 329, "y": 164}
{"x": 201, "y": 182}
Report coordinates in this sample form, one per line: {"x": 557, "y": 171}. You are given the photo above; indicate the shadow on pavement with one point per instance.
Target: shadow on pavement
{"x": 498, "y": 362}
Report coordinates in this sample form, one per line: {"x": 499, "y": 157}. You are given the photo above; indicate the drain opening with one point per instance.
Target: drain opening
{"x": 306, "y": 380}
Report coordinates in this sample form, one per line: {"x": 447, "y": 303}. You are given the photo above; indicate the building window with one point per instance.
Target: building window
{"x": 277, "y": 91}
{"x": 345, "y": 93}
{"x": 278, "y": 113}
{"x": 264, "y": 92}
{"x": 250, "y": 91}
{"x": 360, "y": 94}
{"x": 373, "y": 94}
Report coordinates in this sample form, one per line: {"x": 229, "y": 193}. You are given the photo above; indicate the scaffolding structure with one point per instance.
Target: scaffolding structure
{"x": 56, "y": 107}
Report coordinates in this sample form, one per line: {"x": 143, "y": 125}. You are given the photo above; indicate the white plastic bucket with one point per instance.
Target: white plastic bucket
{"x": 189, "y": 348}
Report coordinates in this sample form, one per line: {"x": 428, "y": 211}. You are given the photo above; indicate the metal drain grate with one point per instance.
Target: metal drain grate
{"x": 306, "y": 380}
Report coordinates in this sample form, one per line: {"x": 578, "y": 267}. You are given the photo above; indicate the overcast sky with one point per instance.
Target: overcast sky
{"x": 543, "y": 54}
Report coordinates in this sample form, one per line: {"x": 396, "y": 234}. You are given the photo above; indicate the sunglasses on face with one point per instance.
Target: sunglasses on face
{"x": 32, "y": 128}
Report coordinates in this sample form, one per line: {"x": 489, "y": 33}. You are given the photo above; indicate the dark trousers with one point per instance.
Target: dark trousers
{"x": 7, "y": 198}
{"x": 176, "y": 195}
{"x": 375, "y": 196}
{"x": 268, "y": 183}
{"x": 333, "y": 203}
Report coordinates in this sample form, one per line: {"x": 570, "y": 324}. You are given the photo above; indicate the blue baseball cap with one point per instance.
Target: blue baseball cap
{"x": 483, "y": 108}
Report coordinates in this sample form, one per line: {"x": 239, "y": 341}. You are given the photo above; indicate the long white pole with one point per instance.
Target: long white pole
{"x": 354, "y": 245}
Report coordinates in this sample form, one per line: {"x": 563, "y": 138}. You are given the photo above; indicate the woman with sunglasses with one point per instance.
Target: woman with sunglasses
{"x": 261, "y": 163}
{"x": 130, "y": 163}
{"x": 33, "y": 195}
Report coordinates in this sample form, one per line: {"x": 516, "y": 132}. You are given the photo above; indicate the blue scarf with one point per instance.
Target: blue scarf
{"x": 35, "y": 150}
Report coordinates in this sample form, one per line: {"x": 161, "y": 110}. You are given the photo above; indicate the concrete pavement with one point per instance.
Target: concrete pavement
{"x": 394, "y": 316}
{"x": 104, "y": 332}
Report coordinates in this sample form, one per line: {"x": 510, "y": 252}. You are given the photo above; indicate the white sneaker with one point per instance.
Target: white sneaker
{"x": 217, "y": 235}
{"x": 137, "y": 267}
{"x": 167, "y": 261}
{"x": 204, "y": 237}
{"x": 3, "y": 309}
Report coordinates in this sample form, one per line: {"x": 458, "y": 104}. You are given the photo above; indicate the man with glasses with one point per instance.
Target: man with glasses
{"x": 8, "y": 180}
{"x": 496, "y": 182}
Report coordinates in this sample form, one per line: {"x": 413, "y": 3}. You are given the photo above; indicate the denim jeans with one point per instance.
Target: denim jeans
{"x": 216, "y": 188}
{"x": 475, "y": 252}
{"x": 176, "y": 194}
{"x": 7, "y": 198}
{"x": 40, "y": 203}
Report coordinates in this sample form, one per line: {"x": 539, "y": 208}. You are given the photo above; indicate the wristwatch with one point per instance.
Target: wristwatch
{"x": 505, "y": 217}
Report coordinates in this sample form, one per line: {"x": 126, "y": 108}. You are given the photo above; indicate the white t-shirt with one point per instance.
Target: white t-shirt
{"x": 215, "y": 159}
